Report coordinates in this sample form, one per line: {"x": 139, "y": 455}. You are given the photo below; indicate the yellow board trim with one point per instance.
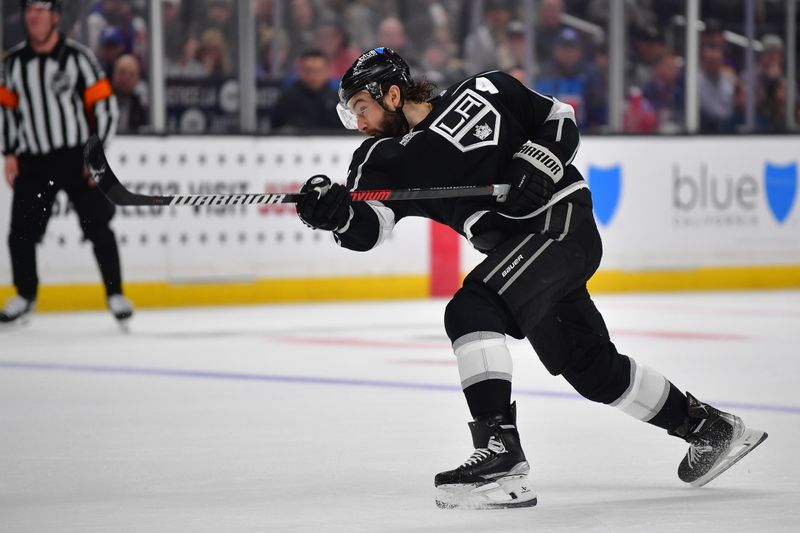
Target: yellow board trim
{"x": 165, "y": 294}
{"x": 699, "y": 279}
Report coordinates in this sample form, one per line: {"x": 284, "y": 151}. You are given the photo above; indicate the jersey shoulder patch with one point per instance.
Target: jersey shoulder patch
{"x": 470, "y": 121}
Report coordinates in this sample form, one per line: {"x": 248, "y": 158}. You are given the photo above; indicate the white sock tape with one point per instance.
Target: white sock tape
{"x": 482, "y": 355}
{"x": 646, "y": 394}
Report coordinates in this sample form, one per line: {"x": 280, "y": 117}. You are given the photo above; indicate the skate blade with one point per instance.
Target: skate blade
{"x": 744, "y": 444}
{"x": 124, "y": 325}
{"x": 506, "y": 493}
{"x": 18, "y": 322}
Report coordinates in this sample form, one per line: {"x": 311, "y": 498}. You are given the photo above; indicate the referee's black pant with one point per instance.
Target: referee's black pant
{"x": 40, "y": 178}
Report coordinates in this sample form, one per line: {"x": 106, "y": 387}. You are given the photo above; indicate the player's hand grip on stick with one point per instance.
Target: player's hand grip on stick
{"x": 533, "y": 173}
{"x": 116, "y": 192}
{"x": 323, "y": 205}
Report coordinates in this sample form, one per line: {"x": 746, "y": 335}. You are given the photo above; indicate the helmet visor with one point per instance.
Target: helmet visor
{"x": 348, "y": 118}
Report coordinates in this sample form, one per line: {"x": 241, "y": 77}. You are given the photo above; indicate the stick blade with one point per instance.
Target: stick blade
{"x": 97, "y": 163}
{"x": 107, "y": 181}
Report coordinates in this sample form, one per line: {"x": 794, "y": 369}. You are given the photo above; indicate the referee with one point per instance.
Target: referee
{"x": 53, "y": 94}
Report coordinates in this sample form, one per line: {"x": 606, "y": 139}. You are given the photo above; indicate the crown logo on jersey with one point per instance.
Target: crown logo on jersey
{"x": 483, "y": 131}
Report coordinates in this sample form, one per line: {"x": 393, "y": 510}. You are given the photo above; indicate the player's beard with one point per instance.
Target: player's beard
{"x": 393, "y": 124}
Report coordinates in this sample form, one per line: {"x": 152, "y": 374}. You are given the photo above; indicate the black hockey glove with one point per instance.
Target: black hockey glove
{"x": 533, "y": 173}
{"x": 324, "y": 205}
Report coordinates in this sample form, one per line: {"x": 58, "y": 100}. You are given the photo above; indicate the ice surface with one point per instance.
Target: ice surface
{"x": 335, "y": 418}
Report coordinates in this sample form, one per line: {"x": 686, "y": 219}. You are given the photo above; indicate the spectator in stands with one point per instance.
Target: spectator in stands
{"x": 638, "y": 13}
{"x": 364, "y": 17}
{"x": 666, "y": 92}
{"x": 770, "y": 60}
{"x": 110, "y": 48}
{"x": 771, "y": 111}
{"x": 440, "y": 66}
{"x": 638, "y": 116}
{"x": 771, "y": 86}
{"x": 333, "y": 40}
{"x": 598, "y": 120}
{"x": 310, "y": 102}
{"x": 713, "y": 35}
{"x": 432, "y": 20}
{"x": 174, "y": 30}
{"x": 769, "y": 67}
{"x": 213, "y": 54}
{"x": 572, "y": 79}
{"x": 517, "y": 45}
{"x": 300, "y": 28}
{"x": 650, "y": 46}
{"x": 219, "y": 16}
{"x": 548, "y": 27}
{"x": 180, "y": 47}
{"x": 117, "y": 13}
{"x": 125, "y": 78}
{"x": 717, "y": 90}
{"x": 487, "y": 47}
{"x": 392, "y": 33}
{"x": 272, "y": 43}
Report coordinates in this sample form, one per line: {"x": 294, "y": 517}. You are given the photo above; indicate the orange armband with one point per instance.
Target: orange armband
{"x": 99, "y": 91}
{"x": 8, "y": 98}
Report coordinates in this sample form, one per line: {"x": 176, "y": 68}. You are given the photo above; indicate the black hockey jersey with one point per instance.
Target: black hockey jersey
{"x": 468, "y": 138}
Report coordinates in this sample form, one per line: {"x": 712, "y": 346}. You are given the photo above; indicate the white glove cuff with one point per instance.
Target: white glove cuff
{"x": 542, "y": 159}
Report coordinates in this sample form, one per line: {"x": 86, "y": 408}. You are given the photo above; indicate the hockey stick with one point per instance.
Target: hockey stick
{"x": 110, "y": 185}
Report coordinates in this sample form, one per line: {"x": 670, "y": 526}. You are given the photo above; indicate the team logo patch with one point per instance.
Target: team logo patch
{"x": 606, "y": 186}
{"x": 780, "y": 184}
{"x": 469, "y": 123}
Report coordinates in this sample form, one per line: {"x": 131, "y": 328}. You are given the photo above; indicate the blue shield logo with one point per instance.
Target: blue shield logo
{"x": 606, "y": 186}
{"x": 781, "y": 188}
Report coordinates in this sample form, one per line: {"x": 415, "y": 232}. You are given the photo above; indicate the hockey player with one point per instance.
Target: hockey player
{"x": 541, "y": 246}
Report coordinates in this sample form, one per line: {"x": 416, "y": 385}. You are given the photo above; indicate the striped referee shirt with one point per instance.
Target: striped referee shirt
{"x": 54, "y": 101}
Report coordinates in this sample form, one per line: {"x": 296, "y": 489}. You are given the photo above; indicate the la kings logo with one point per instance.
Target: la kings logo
{"x": 469, "y": 123}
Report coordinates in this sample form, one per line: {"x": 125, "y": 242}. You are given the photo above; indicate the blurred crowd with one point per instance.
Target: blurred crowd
{"x": 304, "y": 47}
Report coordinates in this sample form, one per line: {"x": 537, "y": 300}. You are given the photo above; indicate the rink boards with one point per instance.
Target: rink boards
{"x": 675, "y": 213}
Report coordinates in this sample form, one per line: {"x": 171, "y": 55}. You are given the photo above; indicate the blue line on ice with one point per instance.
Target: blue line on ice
{"x": 311, "y": 380}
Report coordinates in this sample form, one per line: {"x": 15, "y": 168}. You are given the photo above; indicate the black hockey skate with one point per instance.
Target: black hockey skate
{"x": 716, "y": 441}
{"x": 17, "y": 310}
{"x": 495, "y": 476}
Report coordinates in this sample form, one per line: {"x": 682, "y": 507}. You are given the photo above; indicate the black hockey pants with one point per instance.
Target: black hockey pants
{"x": 540, "y": 279}
{"x": 40, "y": 178}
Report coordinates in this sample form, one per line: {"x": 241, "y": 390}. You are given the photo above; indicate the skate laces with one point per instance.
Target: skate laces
{"x": 494, "y": 447}
{"x": 479, "y": 455}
